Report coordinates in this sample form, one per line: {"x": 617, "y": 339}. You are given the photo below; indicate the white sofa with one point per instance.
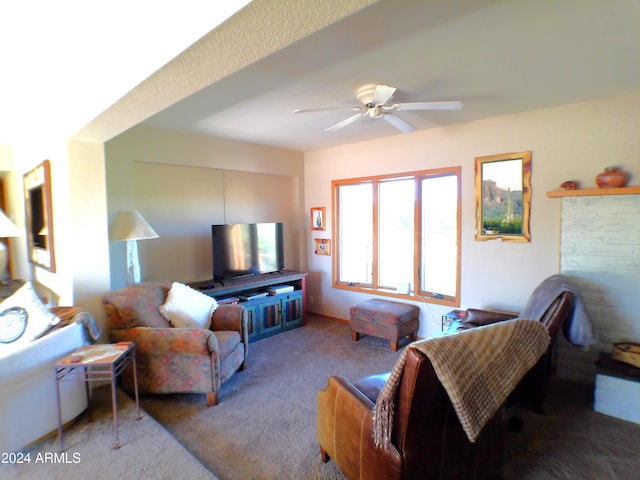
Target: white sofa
{"x": 28, "y": 406}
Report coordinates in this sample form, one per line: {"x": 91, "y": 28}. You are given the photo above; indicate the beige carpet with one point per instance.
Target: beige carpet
{"x": 147, "y": 450}
{"x": 264, "y": 426}
{"x": 571, "y": 441}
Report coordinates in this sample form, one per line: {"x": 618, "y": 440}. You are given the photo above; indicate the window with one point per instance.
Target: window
{"x": 397, "y": 229}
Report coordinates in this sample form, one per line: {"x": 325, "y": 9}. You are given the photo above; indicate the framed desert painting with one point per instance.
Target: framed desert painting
{"x": 503, "y": 197}
{"x": 318, "y": 219}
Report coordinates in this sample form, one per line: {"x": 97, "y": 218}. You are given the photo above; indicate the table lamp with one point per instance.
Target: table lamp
{"x": 130, "y": 226}
{"x": 7, "y": 229}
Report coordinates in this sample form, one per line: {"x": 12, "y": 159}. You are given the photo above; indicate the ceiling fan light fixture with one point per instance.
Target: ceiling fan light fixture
{"x": 365, "y": 94}
{"x": 375, "y": 111}
{"x": 374, "y": 98}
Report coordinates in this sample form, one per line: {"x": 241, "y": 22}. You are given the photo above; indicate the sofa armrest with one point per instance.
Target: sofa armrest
{"x": 229, "y": 317}
{"x": 69, "y": 315}
{"x": 232, "y": 317}
{"x": 476, "y": 317}
{"x": 345, "y": 427}
{"x": 160, "y": 341}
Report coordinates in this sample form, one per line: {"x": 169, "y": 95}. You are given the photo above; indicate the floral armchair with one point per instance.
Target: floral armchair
{"x": 170, "y": 359}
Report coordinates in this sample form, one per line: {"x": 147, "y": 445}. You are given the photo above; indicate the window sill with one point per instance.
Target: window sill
{"x": 413, "y": 297}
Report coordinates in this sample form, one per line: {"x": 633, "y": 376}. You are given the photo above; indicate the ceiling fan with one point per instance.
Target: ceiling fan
{"x": 374, "y": 100}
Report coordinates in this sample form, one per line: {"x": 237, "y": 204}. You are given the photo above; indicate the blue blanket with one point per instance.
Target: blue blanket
{"x": 578, "y": 329}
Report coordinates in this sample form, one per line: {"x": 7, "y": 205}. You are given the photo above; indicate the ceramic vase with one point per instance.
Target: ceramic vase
{"x": 612, "y": 177}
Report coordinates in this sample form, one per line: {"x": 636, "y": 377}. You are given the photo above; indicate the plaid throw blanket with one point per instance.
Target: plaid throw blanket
{"x": 478, "y": 368}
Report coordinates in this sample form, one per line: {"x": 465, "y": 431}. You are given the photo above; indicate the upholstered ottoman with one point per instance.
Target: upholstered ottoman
{"x": 384, "y": 319}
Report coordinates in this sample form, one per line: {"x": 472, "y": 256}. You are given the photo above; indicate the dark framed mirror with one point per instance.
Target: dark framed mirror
{"x": 37, "y": 199}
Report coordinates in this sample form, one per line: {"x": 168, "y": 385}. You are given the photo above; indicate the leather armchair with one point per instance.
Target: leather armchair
{"x": 428, "y": 441}
{"x": 176, "y": 360}
{"x": 533, "y": 387}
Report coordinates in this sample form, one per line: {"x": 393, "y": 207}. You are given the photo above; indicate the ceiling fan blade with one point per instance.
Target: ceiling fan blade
{"x": 382, "y": 94}
{"x": 345, "y": 122}
{"x": 426, "y": 106}
{"x": 353, "y": 108}
{"x": 399, "y": 123}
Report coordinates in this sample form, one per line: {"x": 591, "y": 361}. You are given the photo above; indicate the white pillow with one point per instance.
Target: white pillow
{"x": 188, "y": 308}
{"x": 39, "y": 318}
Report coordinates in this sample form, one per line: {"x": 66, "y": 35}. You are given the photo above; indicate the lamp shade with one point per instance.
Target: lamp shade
{"x": 130, "y": 225}
{"x": 7, "y": 227}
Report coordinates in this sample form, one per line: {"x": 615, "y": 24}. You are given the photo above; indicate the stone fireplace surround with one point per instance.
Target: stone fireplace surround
{"x": 600, "y": 249}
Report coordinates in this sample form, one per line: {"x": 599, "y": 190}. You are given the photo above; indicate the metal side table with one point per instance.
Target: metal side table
{"x": 97, "y": 362}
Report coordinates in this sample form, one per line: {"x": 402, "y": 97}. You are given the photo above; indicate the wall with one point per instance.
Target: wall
{"x": 571, "y": 142}
{"x": 79, "y": 209}
{"x": 7, "y": 172}
{"x": 56, "y": 286}
{"x": 183, "y": 183}
{"x": 86, "y": 237}
{"x": 6, "y": 158}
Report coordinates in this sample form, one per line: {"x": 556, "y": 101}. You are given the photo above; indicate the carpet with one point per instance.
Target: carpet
{"x": 265, "y": 424}
{"x": 147, "y": 450}
{"x": 571, "y": 441}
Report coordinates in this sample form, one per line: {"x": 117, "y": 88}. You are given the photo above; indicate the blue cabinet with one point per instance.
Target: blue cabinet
{"x": 291, "y": 309}
{"x": 267, "y": 315}
{"x": 273, "y": 314}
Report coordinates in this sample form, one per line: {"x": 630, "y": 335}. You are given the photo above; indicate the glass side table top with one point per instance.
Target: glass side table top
{"x": 97, "y": 362}
{"x": 96, "y": 354}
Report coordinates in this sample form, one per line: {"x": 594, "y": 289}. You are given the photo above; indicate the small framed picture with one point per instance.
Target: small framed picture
{"x": 323, "y": 246}
{"x": 318, "y": 218}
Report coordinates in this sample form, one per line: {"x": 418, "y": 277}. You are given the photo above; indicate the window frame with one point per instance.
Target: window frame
{"x": 373, "y": 288}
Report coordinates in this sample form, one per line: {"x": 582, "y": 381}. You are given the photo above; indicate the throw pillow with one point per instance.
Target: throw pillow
{"x": 39, "y": 318}
{"x": 188, "y": 308}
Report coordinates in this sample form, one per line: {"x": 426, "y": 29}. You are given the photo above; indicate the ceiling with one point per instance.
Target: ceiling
{"x": 496, "y": 56}
{"x": 64, "y": 61}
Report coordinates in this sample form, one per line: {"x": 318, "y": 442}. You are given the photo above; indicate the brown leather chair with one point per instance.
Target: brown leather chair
{"x": 428, "y": 441}
{"x": 533, "y": 387}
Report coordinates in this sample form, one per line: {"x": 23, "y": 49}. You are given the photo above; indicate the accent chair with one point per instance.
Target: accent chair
{"x": 176, "y": 360}
{"x": 556, "y": 303}
{"x": 439, "y": 414}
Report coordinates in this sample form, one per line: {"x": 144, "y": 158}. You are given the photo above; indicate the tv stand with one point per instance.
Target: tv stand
{"x": 268, "y": 315}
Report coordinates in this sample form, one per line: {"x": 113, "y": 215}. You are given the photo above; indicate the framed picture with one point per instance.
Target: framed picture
{"x": 323, "y": 246}
{"x": 503, "y": 197}
{"x": 37, "y": 199}
{"x": 318, "y": 220}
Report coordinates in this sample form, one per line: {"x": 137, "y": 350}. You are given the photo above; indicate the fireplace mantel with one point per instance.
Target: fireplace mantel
{"x": 586, "y": 192}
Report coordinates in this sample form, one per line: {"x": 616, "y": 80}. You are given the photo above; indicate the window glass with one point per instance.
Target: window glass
{"x": 439, "y": 235}
{"x": 356, "y": 233}
{"x": 395, "y": 232}
{"x": 399, "y": 229}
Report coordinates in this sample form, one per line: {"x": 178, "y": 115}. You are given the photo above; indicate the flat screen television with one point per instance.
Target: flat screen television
{"x": 247, "y": 249}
